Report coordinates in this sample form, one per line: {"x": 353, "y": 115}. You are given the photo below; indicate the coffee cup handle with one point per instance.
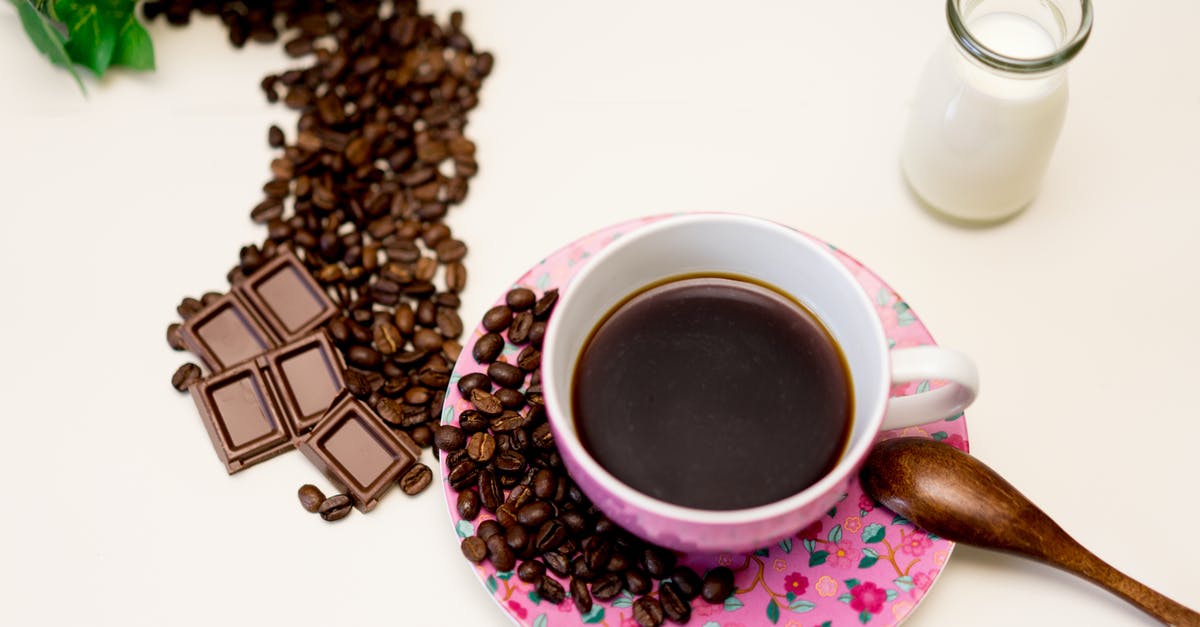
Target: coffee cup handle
{"x": 925, "y": 363}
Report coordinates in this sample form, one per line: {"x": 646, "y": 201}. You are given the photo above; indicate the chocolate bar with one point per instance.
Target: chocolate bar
{"x": 257, "y": 409}
{"x": 356, "y": 451}
{"x": 276, "y": 304}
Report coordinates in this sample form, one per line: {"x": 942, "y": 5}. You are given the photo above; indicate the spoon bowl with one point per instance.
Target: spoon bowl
{"x": 950, "y": 493}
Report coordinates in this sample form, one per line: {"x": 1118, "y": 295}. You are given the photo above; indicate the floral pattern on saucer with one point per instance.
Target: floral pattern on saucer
{"x": 860, "y": 564}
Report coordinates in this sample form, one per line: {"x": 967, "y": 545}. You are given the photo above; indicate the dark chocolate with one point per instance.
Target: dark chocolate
{"x": 357, "y": 452}
{"x": 306, "y": 376}
{"x": 275, "y": 305}
{"x": 243, "y": 421}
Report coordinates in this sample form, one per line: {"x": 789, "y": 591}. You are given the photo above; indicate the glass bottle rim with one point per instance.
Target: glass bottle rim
{"x": 992, "y": 58}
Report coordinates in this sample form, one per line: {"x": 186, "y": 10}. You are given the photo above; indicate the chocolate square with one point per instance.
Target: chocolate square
{"x": 241, "y": 417}
{"x": 357, "y": 452}
{"x": 286, "y": 297}
{"x": 306, "y": 376}
{"x": 226, "y": 333}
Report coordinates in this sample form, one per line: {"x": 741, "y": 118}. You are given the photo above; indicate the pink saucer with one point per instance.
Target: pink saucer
{"x": 860, "y": 564}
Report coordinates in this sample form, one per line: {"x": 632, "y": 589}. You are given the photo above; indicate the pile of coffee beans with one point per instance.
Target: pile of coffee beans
{"x": 502, "y": 460}
{"x": 361, "y": 190}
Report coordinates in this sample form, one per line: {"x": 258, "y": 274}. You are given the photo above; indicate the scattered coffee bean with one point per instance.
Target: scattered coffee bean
{"x": 557, "y": 563}
{"x": 551, "y": 590}
{"x": 416, "y": 479}
{"x": 648, "y": 612}
{"x": 474, "y": 549}
{"x": 185, "y": 376}
{"x": 481, "y": 447}
{"x": 491, "y": 495}
{"x": 674, "y": 605}
{"x": 509, "y": 398}
{"x": 497, "y": 318}
{"x": 520, "y": 299}
{"x": 488, "y": 528}
{"x": 658, "y": 562}
{"x": 506, "y": 375}
{"x": 311, "y": 497}
{"x": 518, "y": 332}
{"x": 529, "y": 359}
{"x": 531, "y": 571}
{"x": 468, "y": 505}
{"x": 545, "y": 304}
{"x": 500, "y": 553}
{"x": 718, "y": 585}
{"x": 607, "y": 587}
{"x": 581, "y": 595}
{"x": 517, "y": 538}
{"x": 487, "y": 348}
{"x": 486, "y": 402}
{"x": 474, "y": 381}
{"x": 335, "y": 507}
{"x": 449, "y": 438}
{"x": 637, "y": 581}
{"x": 174, "y": 338}
{"x": 687, "y": 582}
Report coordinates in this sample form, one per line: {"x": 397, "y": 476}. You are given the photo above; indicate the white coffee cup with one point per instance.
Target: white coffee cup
{"x": 804, "y": 269}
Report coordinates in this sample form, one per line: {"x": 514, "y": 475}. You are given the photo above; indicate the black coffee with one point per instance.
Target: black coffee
{"x": 713, "y": 393}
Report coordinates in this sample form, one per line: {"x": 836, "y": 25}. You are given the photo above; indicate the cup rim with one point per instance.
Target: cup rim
{"x": 847, "y": 464}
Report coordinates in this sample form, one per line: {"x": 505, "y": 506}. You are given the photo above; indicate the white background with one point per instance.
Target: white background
{"x": 1082, "y": 313}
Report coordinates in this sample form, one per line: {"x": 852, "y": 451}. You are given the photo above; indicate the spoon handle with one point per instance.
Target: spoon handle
{"x": 1075, "y": 558}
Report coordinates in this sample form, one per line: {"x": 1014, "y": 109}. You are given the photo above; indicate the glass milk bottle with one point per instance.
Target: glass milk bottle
{"x": 990, "y": 104}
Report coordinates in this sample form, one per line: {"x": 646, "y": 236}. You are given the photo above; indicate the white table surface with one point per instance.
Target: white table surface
{"x": 1082, "y": 313}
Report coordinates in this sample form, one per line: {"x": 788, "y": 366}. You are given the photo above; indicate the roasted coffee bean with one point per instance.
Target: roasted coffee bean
{"x": 551, "y": 590}
{"x": 449, "y": 324}
{"x": 510, "y": 398}
{"x": 509, "y": 420}
{"x": 550, "y": 535}
{"x": 581, "y": 596}
{"x": 468, "y": 505}
{"x": 456, "y": 277}
{"x": 471, "y": 421}
{"x": 474, "y": 381}
{"x": 604, "y": 526}
{"x": 506, "y": 375}
{"x": 188, "y": 307}
{"x": 637, "y": 581}
{"x": 597, "y": 551}
{"x": 391, "y": 411}
{"x": 658, "y": 562}
{"x": 488, "y": 528}
{"x": 174, "y": 338}
{"x": 718, "y": 585}
{"x": 481, "y": 446}
{"x": 311, "y": 497}
{"x": 422, "y": 436}
{"x": 618, "y": 563}
{"x": 687, "y": 582}
{"x": 497, "y": 318}
{"x": 520, "y": 298}
{"x": 450, "y": 250}
{"x": 506, "y": 515}
{"x": 544, "y": 483}
{"x": 575, "y": 522}
{"x": 648, "y": 612}
{"x": 537, "y": 332}
{"x": 427, "y": 340}
{"x": 335, "y": 507}
{"x": 486, "y": 403}
{"x": 509, "y": 461}
{"x": 474, "y": 549}
{"x": 417, "y": 395}
{"x": 557, "y": 563}
{"x": 487, "y": 348}
{"x": 529, "y": 359}
{"x": 545, "y": 304}
{"x": 387, "y": 338}
{"x": 531, "y": 571}
{"x": 542, "y": 436}
{"x": 426, "y": 310}
{"x": 580, "y": 568}
{"x": 275, "y": 136}
{"x": 517, "y": 538}
{"x": 462, "y": 474}
{"x": 500, "y": 554}
{"x": 535, "y": 514}
{"x": 490, "y": 493}
{"x": 522, "y": 324}
{"x": 449, "y": 437}
{"x": 416, "y": 479}
{"x": 674, "y": 605}
{"x": 185, "y": 376}
{"x": 607, "y": 587}
{"x": 363, "y": 357}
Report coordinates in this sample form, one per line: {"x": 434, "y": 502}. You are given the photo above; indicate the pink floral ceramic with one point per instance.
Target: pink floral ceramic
{"x": 859, "y": 564}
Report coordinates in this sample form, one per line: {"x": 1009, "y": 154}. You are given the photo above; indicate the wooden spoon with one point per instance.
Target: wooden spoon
{"x": 957, "y": 497}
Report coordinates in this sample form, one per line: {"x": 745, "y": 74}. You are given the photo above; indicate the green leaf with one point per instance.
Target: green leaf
{"x": 810, "y": 545}
{"x": 891, "y": 594}
{"x": 733, "y": 603}
{"x": 491, "y": 584}
{"x": 464, "y": 528}
{"x": 786, "y": 545}
{"x": 923, "y": 387}
{"x": 852, "y": 583}
{"x": 91, "y": 33}
{"x": 832, "y": 512}
{"x": 802, "y": 606}
{"x": 711, "y": 623}
{"x": 46, "y": 37}
{"x": 540, "y": 621}
{"x": 134, "y": 48}
{"x": 955, "y": 417}
{"x": 900, "y": 520}
{"x": 883, "y": 297}
{"x": 867, "y": 561}
{"x": 505, "y": 575}
{"x": 873, "y": 533}
{"x": 864, "y": 617}
{"x": 773, "y": 611}
{"x": 537, "y": 598}
{"x": 827, "y": 623}
{"x": 818, "y": 558}
{"x": 791, "y": 596}
{"x": 939, "y": 435}
{"x": 845, "y": 598}
{"x": 625, "y": 600}
{"x": 763, "y": 552}
{"x": 835, "y": 534}
{"x": 595, "y": 615}
{"x": 904, "y": 583}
